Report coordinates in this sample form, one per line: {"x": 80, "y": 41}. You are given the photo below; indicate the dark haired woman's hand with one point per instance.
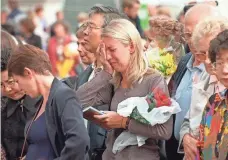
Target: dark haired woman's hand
{"x": 103, "y": 58}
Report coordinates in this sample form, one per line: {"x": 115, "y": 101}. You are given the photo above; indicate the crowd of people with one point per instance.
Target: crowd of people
{"x": 49, "y": 77}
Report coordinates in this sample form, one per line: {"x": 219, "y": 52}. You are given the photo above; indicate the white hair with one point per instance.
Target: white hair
{"x": 209, "y": 27}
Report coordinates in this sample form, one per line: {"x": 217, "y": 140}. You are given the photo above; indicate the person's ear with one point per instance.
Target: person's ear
{"x": 126, "y": 10}
{"x": 28, "y": 72}
{"x": 132, "y": 48}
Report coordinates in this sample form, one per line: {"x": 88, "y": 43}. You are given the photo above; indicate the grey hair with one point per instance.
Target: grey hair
{"x": 101, "y": 9}
{"x": 109, "y": 13}
{"x": 209, "y": 27}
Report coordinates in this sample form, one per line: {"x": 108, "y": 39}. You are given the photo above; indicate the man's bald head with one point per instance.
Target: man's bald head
{"x": 194, "y": 15}
{"x": 200, "y": 12}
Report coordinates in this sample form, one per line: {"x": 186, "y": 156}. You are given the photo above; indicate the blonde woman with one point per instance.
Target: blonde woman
{"x": 207, "y": 85}
{"x": 121, "y": 53}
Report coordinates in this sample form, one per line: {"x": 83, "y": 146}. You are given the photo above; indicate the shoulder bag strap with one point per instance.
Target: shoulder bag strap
{"x": 29, "y": 127}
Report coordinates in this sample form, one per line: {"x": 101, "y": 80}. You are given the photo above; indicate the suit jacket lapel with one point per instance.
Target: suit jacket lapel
{"x": 83, "y": 78}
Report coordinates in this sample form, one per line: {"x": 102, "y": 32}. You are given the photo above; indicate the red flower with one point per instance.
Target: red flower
{"x": 161, "y": 98}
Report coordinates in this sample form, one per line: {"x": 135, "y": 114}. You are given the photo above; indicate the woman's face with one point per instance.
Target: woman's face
{"x": 118, "y": 54}
{"x": 28, "y": 84}
{"x": 60, "y": 31}
{"x": 10, "y": 88}
{"x": 221, "y": 67}
{"x": 23, "y": 29}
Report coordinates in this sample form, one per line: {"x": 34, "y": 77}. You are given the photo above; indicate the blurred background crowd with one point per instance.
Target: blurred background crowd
{"x": 185, "y": 40}
{"x": 51, "y": 25}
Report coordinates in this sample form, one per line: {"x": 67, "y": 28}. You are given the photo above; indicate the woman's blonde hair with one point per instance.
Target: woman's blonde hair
{"x": 125, "y": 32}
{"x": 209, "y": 27}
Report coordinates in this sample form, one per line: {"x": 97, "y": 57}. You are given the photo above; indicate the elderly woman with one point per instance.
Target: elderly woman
{"x": 16, "y": 107}
{"x": 124, "y": 64}
{"x": 57, "y": 130}
{"x": 208, "y": 84}
{"x": 214, "y": 128}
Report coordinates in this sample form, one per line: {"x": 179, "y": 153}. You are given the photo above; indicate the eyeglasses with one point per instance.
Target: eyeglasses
{"x": 220, "y": 65}
{"x": 10, "y": 83}
{"x": 90, "y": 25}
{"x": 187, "y": 35}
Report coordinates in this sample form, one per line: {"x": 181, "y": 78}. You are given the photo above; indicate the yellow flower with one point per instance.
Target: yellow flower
{"x": 164, "y": 63}
{"x": 65, "y": 67}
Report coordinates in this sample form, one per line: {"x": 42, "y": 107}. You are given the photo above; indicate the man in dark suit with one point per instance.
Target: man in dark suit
{"x": 96, "y": 133}
{"x": 87, "y": 50}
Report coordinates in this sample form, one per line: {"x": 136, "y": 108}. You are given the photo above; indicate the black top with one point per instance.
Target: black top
{"x": 14, "y": 116}
{"x": 178, "y": 75}
{"x": 34, "y": 40}
{"x": 39, "y": 143}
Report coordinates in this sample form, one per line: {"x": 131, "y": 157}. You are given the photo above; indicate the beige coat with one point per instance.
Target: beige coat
{"x": 201, "y": 92}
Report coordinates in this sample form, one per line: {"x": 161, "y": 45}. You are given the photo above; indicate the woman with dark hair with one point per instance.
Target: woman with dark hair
{"x": 27, "y": 28}
{"x": 16, "y": 107}
{"x": 57, "y": 130}
{"x": 214, "y": 124}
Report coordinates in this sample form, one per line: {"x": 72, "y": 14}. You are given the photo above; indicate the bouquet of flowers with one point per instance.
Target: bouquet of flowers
{"x": 161, "y": 60}
{"x": 155, "y": 108}
{"x": 154, "y": 100}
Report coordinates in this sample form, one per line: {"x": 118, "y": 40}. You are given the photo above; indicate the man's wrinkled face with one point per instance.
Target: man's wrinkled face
{"x": 189, "y": 25}
{"x": 202, "y": 52}
{"x": 188, "y": 30}
{"x": 86, "y": 56}
{"x": 92, "y": 33}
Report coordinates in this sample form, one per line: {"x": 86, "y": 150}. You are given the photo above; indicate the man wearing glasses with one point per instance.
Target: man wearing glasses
{"x": 89, "y": 42}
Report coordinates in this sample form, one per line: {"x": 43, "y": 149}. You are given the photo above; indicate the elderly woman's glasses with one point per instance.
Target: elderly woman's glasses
{"x": 220, "y": 65}
{"x": 10, "y": 83}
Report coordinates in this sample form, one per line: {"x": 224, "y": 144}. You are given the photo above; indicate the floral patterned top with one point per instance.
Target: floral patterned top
{"x": 214, "y": 128}
{"x": 3, "y": 153}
